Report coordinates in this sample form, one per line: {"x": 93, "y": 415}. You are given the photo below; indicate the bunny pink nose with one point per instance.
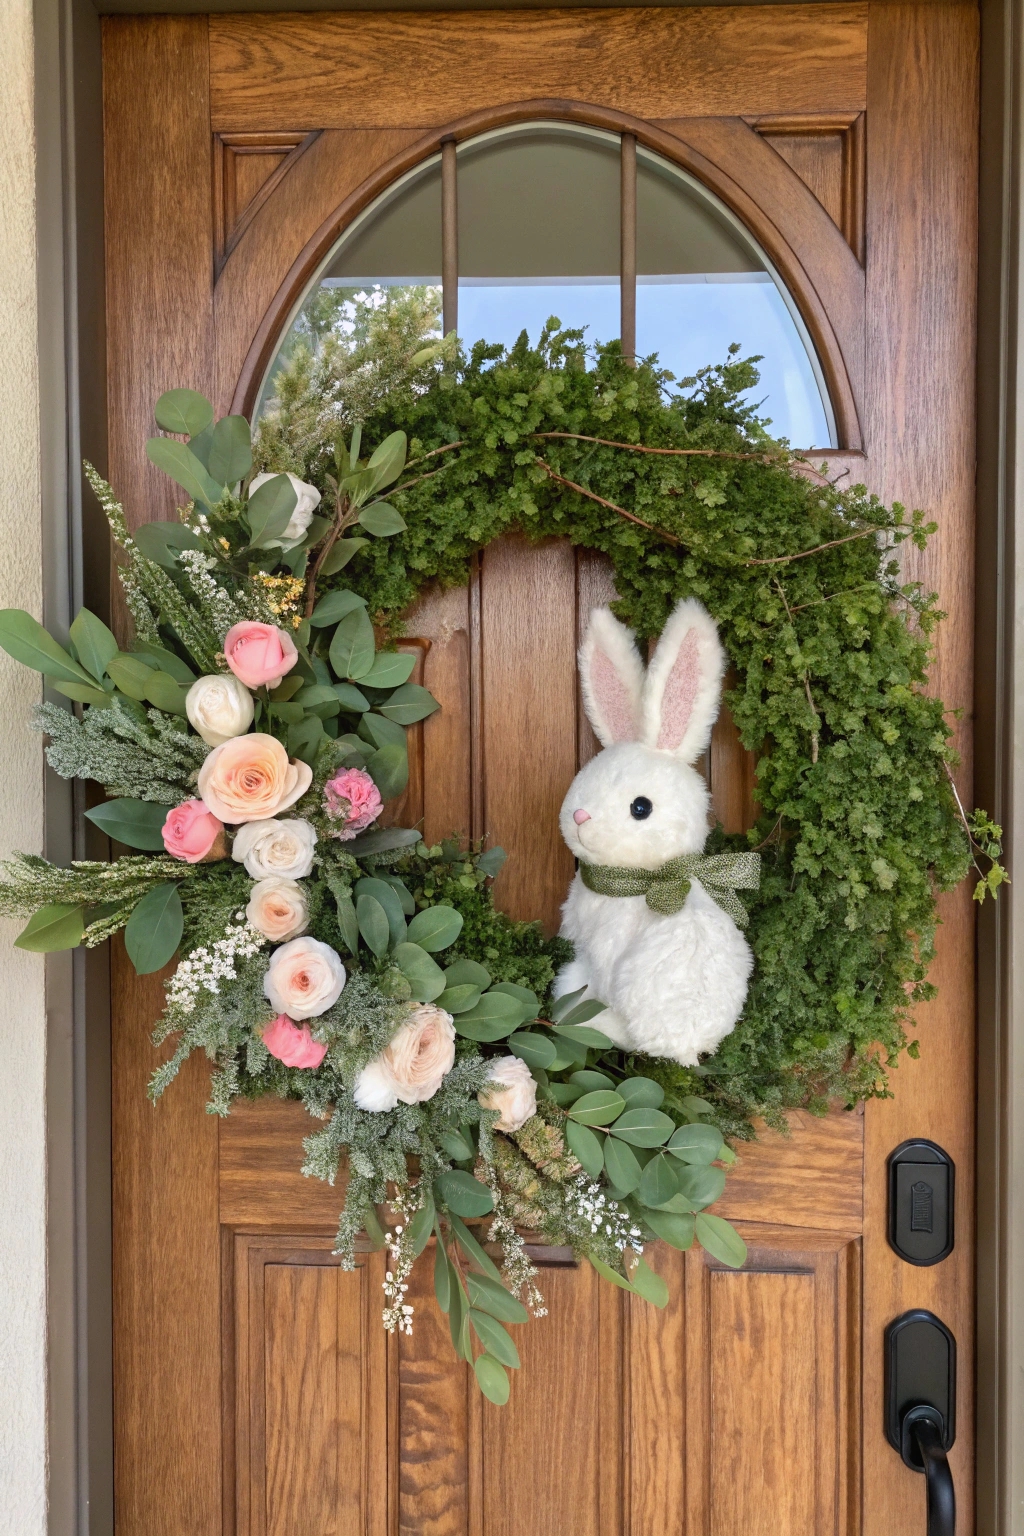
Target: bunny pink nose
{"x": 579, "y": 817}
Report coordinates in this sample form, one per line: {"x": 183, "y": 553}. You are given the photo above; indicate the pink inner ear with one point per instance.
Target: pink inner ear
{"x": 612, "y": 698}
{"x": 680, "y": 693}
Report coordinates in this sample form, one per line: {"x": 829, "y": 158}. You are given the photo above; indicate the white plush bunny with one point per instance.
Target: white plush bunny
{"x": 674, "y": 980}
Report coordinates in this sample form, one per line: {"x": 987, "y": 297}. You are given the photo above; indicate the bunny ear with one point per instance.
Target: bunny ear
{"x": 612, "y": 675}
{"x": 684, "y": 683}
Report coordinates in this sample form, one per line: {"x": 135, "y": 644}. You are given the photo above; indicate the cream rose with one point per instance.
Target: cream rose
{"x": 251, "y": 779}
{"x": 275, "y": 848}
{"x": 219, "y": 708}
{"x": 413, "y": 1065}
{"x": 304, "y": 978}
{"x": 278, "y": 908}
{"x": 307, "y": 499}
{"x": 516, "y": 1098}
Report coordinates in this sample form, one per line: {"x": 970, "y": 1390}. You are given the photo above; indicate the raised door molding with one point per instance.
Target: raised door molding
{"x": 247, "y": 167}
{"x": 827, "y": 152}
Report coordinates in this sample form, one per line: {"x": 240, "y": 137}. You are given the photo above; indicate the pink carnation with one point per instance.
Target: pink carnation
{"x": 259, "y": 654}
{"x": 193, "y": 833}
{"x": 353, "y": 799}
{"x": 295, "y": 1047}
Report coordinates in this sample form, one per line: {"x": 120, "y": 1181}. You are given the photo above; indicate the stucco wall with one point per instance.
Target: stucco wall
{"x": 22, "y": 1000}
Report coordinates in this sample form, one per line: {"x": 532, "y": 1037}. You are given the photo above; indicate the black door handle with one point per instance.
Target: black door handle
{"x": 922, "y": 1434}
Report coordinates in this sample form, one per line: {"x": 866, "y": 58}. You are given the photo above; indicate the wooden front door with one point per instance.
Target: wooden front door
{"x": 255, "y": 1391}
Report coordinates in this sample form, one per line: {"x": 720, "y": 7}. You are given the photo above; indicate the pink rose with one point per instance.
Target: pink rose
{"x": 259, "y": 653}
{"x": 250, "y": 779}
{"x": 353, "y": 799}
{"x": 193, "y": 833}
{"x": 295, "y": 1047}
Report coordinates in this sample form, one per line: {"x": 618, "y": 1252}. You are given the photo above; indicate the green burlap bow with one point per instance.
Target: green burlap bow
{"x": 668, "y": 887}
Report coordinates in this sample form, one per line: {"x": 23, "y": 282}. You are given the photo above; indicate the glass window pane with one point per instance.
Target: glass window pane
{"x": 702, "y": 283}
{"x": 538, "y": 233}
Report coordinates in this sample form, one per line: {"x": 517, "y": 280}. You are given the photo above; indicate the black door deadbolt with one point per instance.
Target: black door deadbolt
{"x": 921, "y": 1177}
{"x": 920, "y": 1407}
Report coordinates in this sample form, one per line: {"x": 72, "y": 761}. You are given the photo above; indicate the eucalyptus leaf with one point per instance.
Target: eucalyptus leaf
{"x": 424, "y": 975}
{"x": 131, "y": 674}
{"x": 442, "y": 1273}
{"x": 701, "y": 1186}
{"x": 93, "y": 641}
{"x": 674, "y": 1229}
{"x": 84, "y": 693}
{"x": 564, "y": 1004}
{"x": 388, "y": 767}
{"x": 642, "y": 1093}
{"x": 372, "y": 1226}
{"x": 458, "y": 1191}
{"x": 387, "y": 460}
{"x": 491, "y": 1296}
{"x": 406, "y": 899}
{"x": 582, "y": 1012}
{"x": 382, "y": 520}
{"x": 607, "y": 1273}
{"x": 380, "y": 732}
{"x": 381, "y": 840}
{"x": 230, "y": 457}
{"x": 644, "y": 1127}
{"x": 697, "y": 1143}
{"x": 535, "y": 1049}
{"x": 621, "y": 1165}
{"x": 390, "y": 669}
{"x": 494, "y": 1017}
{"x": 340, "y": 555}
{"x": 59, "y": 926}
{"x": 585, "y": 1035}
{"x": 455, "y": 1146}
{"x": 136, "y": 823}
{"x": 165, "y": 693}
{"x": 163, "y": 542}
{"x": 181, "y": 464}
{"x": 422, "y": 1225}
{"x": 490, "y": 861}
{"x": 469, "y": 1245}
{"x": 658, "y": 1182}
{"x": 24, "y": 638}
{"x": 269, "y": 510}
{"x": 352, "y": 646}
{"x": 388, "y": 898}
{"x": 585, "y": 1147}
{"x": 494, "y": 1338}
{"x": 305, "y": 737}
{"x": 409, "y": 704}
{"x": 598, "y": 1108}
{"x": 721, "y": 1240}
{"x": 348, "y": 923}
{"x": 373, "y": 925}
{"x": 590, "y": 1081}
{"x": 154, "y": 929}
{"x": 167, "y": 661}
{"x": 436, "y": 928}
{"x": 184, "y": 411}
{"x": 523, "y": 995}
{"x": 650, "y": 1286}
{"x": 492, "y": 1379}
{"x": 467, "y": 973}
{"x": 333, "y": 607}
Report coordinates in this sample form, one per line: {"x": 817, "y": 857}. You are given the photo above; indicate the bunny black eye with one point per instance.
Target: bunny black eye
{"x": 641, "y": 808}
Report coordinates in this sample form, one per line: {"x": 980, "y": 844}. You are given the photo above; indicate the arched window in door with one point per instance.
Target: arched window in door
{"x": 557, "y": 219}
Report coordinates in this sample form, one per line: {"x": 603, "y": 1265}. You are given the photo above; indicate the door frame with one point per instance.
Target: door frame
{"x": 72, "y": 376}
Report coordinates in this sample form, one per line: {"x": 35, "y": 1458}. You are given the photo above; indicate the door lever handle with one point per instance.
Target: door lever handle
{"x": 922, "y": 1434}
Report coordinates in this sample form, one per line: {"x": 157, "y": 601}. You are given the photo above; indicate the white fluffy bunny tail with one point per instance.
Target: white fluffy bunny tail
{"x": 612, "y": 676}
{"x": 683, "y": 689}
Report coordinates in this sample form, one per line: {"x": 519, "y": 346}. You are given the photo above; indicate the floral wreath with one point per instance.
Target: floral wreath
{"x": 250, "y": 737}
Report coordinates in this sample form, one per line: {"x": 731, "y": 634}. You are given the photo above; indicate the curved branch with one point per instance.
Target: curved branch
{"x": 612, "y": 507}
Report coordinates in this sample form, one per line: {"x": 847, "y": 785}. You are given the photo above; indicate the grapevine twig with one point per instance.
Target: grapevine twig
{"x": 687, "y": 453}
{"x": 802, "y": 554}
{"x": 807, "y": 681}
{"x": 612, "y": 507}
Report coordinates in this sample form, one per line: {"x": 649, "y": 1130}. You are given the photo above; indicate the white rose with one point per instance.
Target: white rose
{"x": 516, "y": 1099}
{"x": 275, "y": 848}
{"x": 304, "y": 978}
{"x": 219, "y": 708}
{"x": 278, "y": 909}
{"x": 413, "y": 1065}
{"x": 307, "y": 499}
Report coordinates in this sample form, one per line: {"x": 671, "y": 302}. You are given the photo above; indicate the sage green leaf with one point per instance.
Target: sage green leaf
{"x": 82, "y": 693}
{"x": 373, "y": 925}
{"x": 350, "y": 698}
{"x": 52, "y": 928}
{"x": 333, "y": 607}
{"x": 721, "y": 1240}
{"x": 165, "y": 693}
{"x": 458, "y": 1191}
{"x": 424, "y": 975}
{"x": 570, "y": 1054}
{"x": 406, "y": 899}
{"x": 442, "y": 1273}
{"x": 181, "y": 464}
{"x": 564, "y": 1093}
{"x": 348, "y": 923}
{"x": 607, "y": 1273}
{"x": 310, "y": 695}
{"x": 380, "y": 732}
{"x": 409, "y": 704}
{"x": 436, "y": 928}
{"x": 390, "y": 670}
{"x": 697, "y": 1143}
{"x": 305, "y": 737}
{"x": 382, "y": 520}
{"x": 642, "y": 1093}
{"x": 184, "y": 411}
{"x": 318, "y": 526}
{"x": 24, "y": 638}
{"x": 529, "y": 1000}
{"x": 388, "y": 767}
{"x": 93, "y": 641}
{"x": 372, "y": 1226}
{"x": 672, "y": 1228}
{"x": 167, "y": 661}
{"x": 131, "y": 674}
{"x": 456, "y": 1146}
{"x": 701, "y": 1186}
{"x": 458, "y": 999}
{"x": 494, "y": 1017}
{"x": 535, "y": 1049}
{"x": 387, "y": 460}
{"x": 230, "y": 457}
{"x": 492, "y": 1379}
{"x": 644, "y": 1127}
{"x": 490, "y": 861}
{"x": 491, "y": 1296}
{"x": 163, "y": 542}
{"x": 352, "y": 646}
{"x": 621, "y": 1165}
{"x": 650, "y": 1286}
{"x": 494, "y": 1338}
{"x": 469, "y": 1245}
{"x": 585, "y": 1035}
{"x": 562, "y": 1005}
{"x": 422, "y": 1225}
{"x": 585, "y": 1147}
{"x": 294, "y": 714}
{"x": 598, "y": 1108}
{"x": 154, "y": 929}
{"x": 381, "y": 840}
{"x": 200, "y": 443}
{"x": 694, "y": 1106}
{"x": 269, "y": 510}
{"x": 582, "y": 1012}
{"x": 467, "y": 973}
{"x": 340, "y": 555}
{"x": 589, "y": 1082}
{"x": 136, "y": 823}
{"x": 388, "y": 898}
{"x": 658, "y": 1182}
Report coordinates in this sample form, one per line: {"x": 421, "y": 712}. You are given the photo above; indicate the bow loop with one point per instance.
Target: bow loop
{"x": 666, "y": 889}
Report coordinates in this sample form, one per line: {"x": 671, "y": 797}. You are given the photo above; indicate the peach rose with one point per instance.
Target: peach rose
{"x": 250, "y": 779}
{"x": 278, "y": 908}
{"x": 295, "y": 1047}
{"x": 516, "y": 1098}
{"x": 259, "y": 654}
{"x": 191, "y": 832}
{"x": 304, "y": 978}
{"x": 413, "y": 1065}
